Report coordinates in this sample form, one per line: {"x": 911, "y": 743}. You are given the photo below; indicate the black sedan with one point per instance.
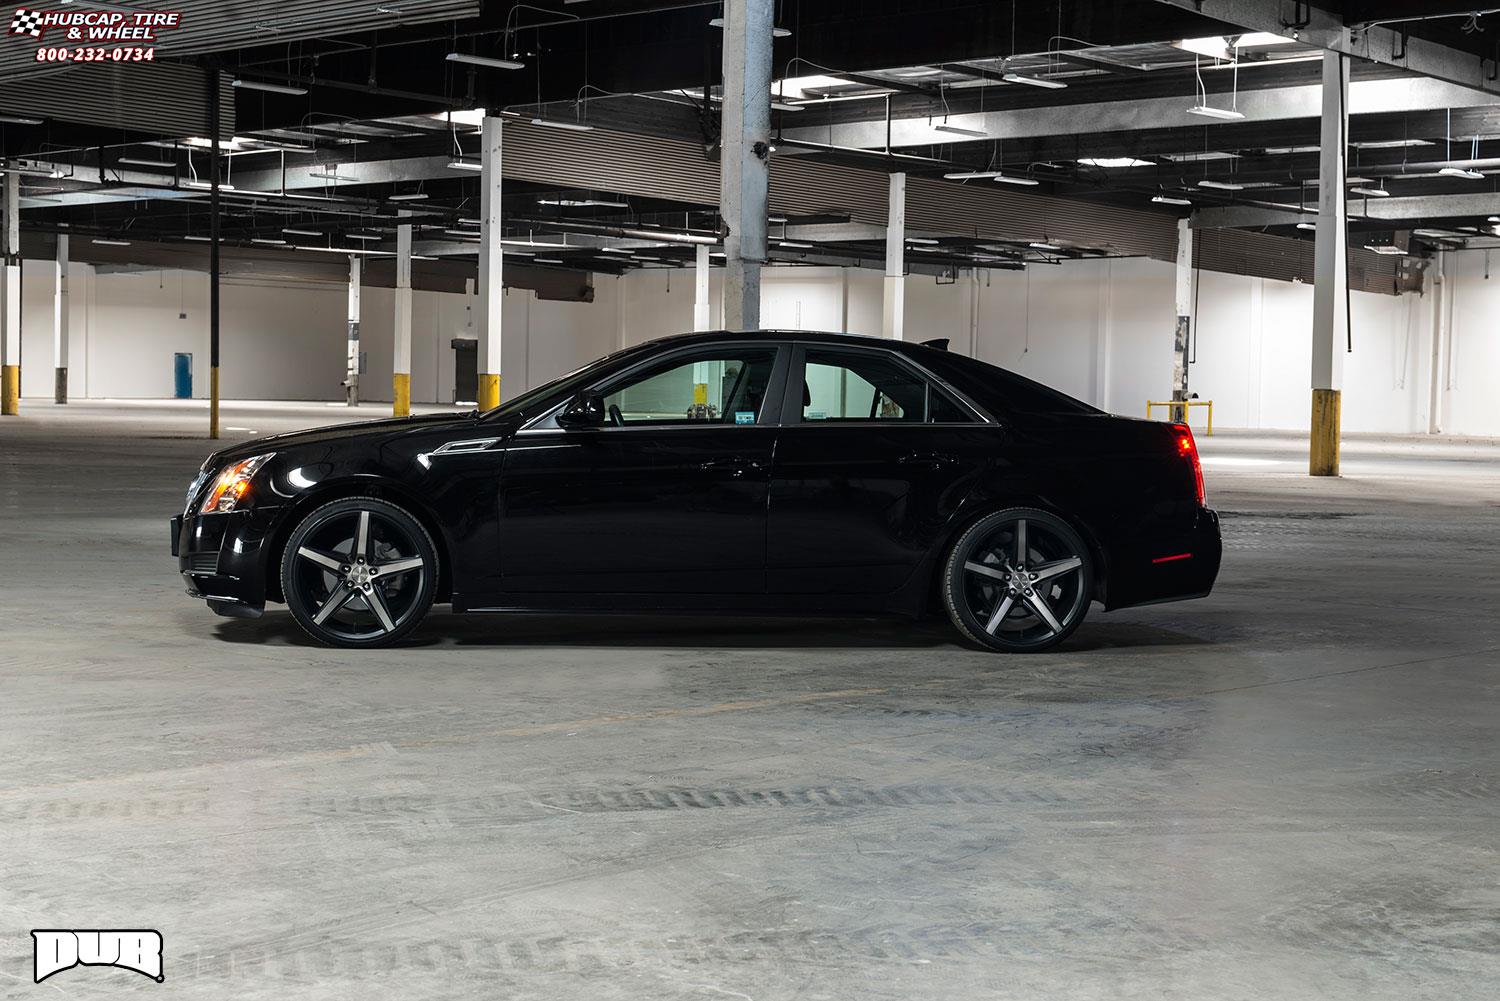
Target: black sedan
{"x": 726, "y": 472}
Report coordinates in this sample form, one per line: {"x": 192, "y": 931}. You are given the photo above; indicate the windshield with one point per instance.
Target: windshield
{"x": 562, "y": 387}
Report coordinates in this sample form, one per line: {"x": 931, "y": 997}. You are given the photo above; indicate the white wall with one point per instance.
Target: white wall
{"x": 1100, "y": 330}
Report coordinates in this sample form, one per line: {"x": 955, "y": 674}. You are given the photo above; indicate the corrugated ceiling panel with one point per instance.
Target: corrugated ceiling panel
{"x": 216, "y": 25}
{"x": 1262, "y": 255}
{"x": 166, "y": 99}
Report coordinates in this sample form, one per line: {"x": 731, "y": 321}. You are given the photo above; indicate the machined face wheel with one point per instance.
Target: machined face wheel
{"x": 1018, "y": 580}
{"x": 359, "y": 572}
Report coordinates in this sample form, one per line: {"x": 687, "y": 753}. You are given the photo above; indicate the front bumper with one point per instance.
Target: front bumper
{"x": 223, "y": 558}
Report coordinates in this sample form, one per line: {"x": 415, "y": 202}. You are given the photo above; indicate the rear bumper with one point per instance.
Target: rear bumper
{"x": 223, "y": 558}
{"x": 1171, "y": 567}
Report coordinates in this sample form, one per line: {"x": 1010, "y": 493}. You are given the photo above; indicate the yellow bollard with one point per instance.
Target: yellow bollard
{"x": 401, "y": 395}
{"x": 10, "y": 390}
{"x": 489, "y": 391}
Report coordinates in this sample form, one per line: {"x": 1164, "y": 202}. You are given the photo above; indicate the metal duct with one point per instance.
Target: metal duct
{"x": 163, "y": 99}
{"x": 217, "y": 25}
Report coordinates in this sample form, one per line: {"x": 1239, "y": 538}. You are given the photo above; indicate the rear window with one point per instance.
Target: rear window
{"x": 1001, "y": 390}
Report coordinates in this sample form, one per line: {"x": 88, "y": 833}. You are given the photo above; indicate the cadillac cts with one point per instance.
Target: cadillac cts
{"x": 727, "y": 472}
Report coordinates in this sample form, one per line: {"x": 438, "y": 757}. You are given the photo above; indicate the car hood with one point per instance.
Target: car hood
{"x": 387, "y": 428}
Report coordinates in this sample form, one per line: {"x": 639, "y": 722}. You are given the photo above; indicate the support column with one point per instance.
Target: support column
{"x": 60, "y": 321}
{"x": 702, "y": 315}
{"x": 1183, "y": 339}
{"x": 401, "y": 351}
{"x": 351, "y": 355}
{"x": 491, "y": 264}
{"x": 894, "y": 311}
{"x": 1441, "y": 303}
{"x": 10, "y": 293}
{"x": 214, "y": 162}
{"x": 1330, "y": 271}
{"x": 745, "y": 146}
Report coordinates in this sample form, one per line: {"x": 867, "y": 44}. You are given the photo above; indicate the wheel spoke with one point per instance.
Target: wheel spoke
{"x": 999, "y": 614}
{"x": 1044, "y": 611}
{"x": 376, "y": 600}
{"x": 362, "y": 536}
{"x": 400, "y": 566}
{"x": 335, "y": 601}
{"x": 322, "y": 559}
{"x": 1049, "y": 570}
{"x": 1021, "y": 542}
{"x": 980, "y": 568}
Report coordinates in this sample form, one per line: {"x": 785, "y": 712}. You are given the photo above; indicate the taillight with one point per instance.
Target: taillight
{"x": 1187, "y": 448}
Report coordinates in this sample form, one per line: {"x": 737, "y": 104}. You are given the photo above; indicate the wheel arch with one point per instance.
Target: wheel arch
{"x": 979, "y": 509}
{"x": 343, "y": 488}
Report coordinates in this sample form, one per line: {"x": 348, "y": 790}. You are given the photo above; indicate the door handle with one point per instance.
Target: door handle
{"x": 932, "y": 460}
{"x": 735, "y": 465}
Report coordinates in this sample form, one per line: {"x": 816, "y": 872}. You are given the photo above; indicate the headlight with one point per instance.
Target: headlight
{"x": 231, "y": 485}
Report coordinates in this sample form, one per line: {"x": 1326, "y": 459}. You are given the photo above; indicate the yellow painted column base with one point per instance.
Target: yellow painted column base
{"x": 213, "y": 402}
{"x": 489, "y": 391}
{"x": 1323, "y": 445}
{"x": 10, "y": 390}
{"x": 401, "y": 394}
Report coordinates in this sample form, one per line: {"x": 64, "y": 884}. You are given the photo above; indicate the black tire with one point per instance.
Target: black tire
{"x": 371, "y": 560}
{"x": 1001, "y": 603}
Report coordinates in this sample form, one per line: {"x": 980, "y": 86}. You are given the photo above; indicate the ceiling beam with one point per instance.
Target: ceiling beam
{"x": 1408, "y": 209}
{"x": 1276, "y": 104}
{"x": 1388, "y": 45}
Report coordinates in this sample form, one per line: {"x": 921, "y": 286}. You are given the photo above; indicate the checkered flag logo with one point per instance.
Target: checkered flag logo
{"x": 27, "y": 22}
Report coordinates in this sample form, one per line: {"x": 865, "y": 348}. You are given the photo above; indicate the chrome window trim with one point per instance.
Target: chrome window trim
{"x": 533, "y": 426}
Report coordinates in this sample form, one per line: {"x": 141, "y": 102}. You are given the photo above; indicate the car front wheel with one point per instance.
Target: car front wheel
{"x": 360, "y": 572}
{"x": 1018, "y": 580}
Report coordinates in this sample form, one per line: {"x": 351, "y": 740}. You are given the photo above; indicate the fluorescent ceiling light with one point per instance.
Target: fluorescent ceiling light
{"x": 1384, "y": 249}
{"x": 553, "y": 123}
{"x": 414, "y": 196}
{"x": 1007, "y": 179}
{"x": 574, "y": 203}
{"x": 302, "y": 232}
{"x": 267, "y": 241}
{"x": 776, "y": 32}
{"x": 1224, "y": 114}
{"x": 1212, "y": 154}
{"x": 1032, "y": 81}
{"x": 547, "y": 260}
{"x": 1221, "y": 185}
{"x": 1261, "y": 39}
{"x": 330, "y": 173}
{"x": 1169, "y": 200}
{"x": 1370, "y": 192}
{"x": 1114, "y": 161}
{"x": 462, "y": 232}
{"x": 270, "y": 88}
{"x": 1307, "y": 226}
{"x": 139, "y": 162}
{"x": 1389, "y": 144}
{"x": 472, "y": 117}
{"x": 1286, "y": 150}
{"x": 20, "y": 120}
{"x": 1493, "y": 218}
{"x": 462, "y": 164}
{"x": 967, "y": 175}
{"x": 1043, "y": 246}
{"x": 615, "y": 250}
{"x": 349, "y": 250}
{"x": 207, "y": 185}
{"x": 795, "y": 244}
{"x": 492, "y": 63}
{"x": 367, "y": 237}
{"x": 111, "y": 243}
{"x": 1472, "y": 175}
{"x": 958, "y": 131}
{"x": 1212, "y": 46}
{"x": 923, "y": 239}
{"x": 198, "y": 239}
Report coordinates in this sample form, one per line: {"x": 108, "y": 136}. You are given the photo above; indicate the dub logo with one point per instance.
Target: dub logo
{"x": 136, "y": 949}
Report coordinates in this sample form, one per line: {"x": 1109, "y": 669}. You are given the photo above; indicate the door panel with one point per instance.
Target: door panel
{"x": 855, "y": 507}
{"x": 660, "y": 510}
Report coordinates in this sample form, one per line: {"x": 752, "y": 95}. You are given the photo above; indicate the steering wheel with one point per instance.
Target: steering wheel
{"x": 615, "y": 417}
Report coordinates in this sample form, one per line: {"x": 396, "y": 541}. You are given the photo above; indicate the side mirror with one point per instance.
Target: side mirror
{"x": 586, "y": 410}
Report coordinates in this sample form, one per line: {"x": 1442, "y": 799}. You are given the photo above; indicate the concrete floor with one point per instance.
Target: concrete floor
{"x": 1288, "y": 790}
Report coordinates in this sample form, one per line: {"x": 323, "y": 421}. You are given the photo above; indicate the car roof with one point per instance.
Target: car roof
{"x": 828, "y": 336}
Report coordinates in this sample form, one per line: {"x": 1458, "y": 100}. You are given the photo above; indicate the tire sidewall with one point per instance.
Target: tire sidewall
{"x": 313, "y": 520}
{"x": 957, "y": 605}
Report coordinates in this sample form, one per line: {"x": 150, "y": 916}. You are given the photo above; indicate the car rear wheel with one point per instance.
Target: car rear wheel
{"x": 359, "y": 572}
{"x": 1018, "y": 580}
